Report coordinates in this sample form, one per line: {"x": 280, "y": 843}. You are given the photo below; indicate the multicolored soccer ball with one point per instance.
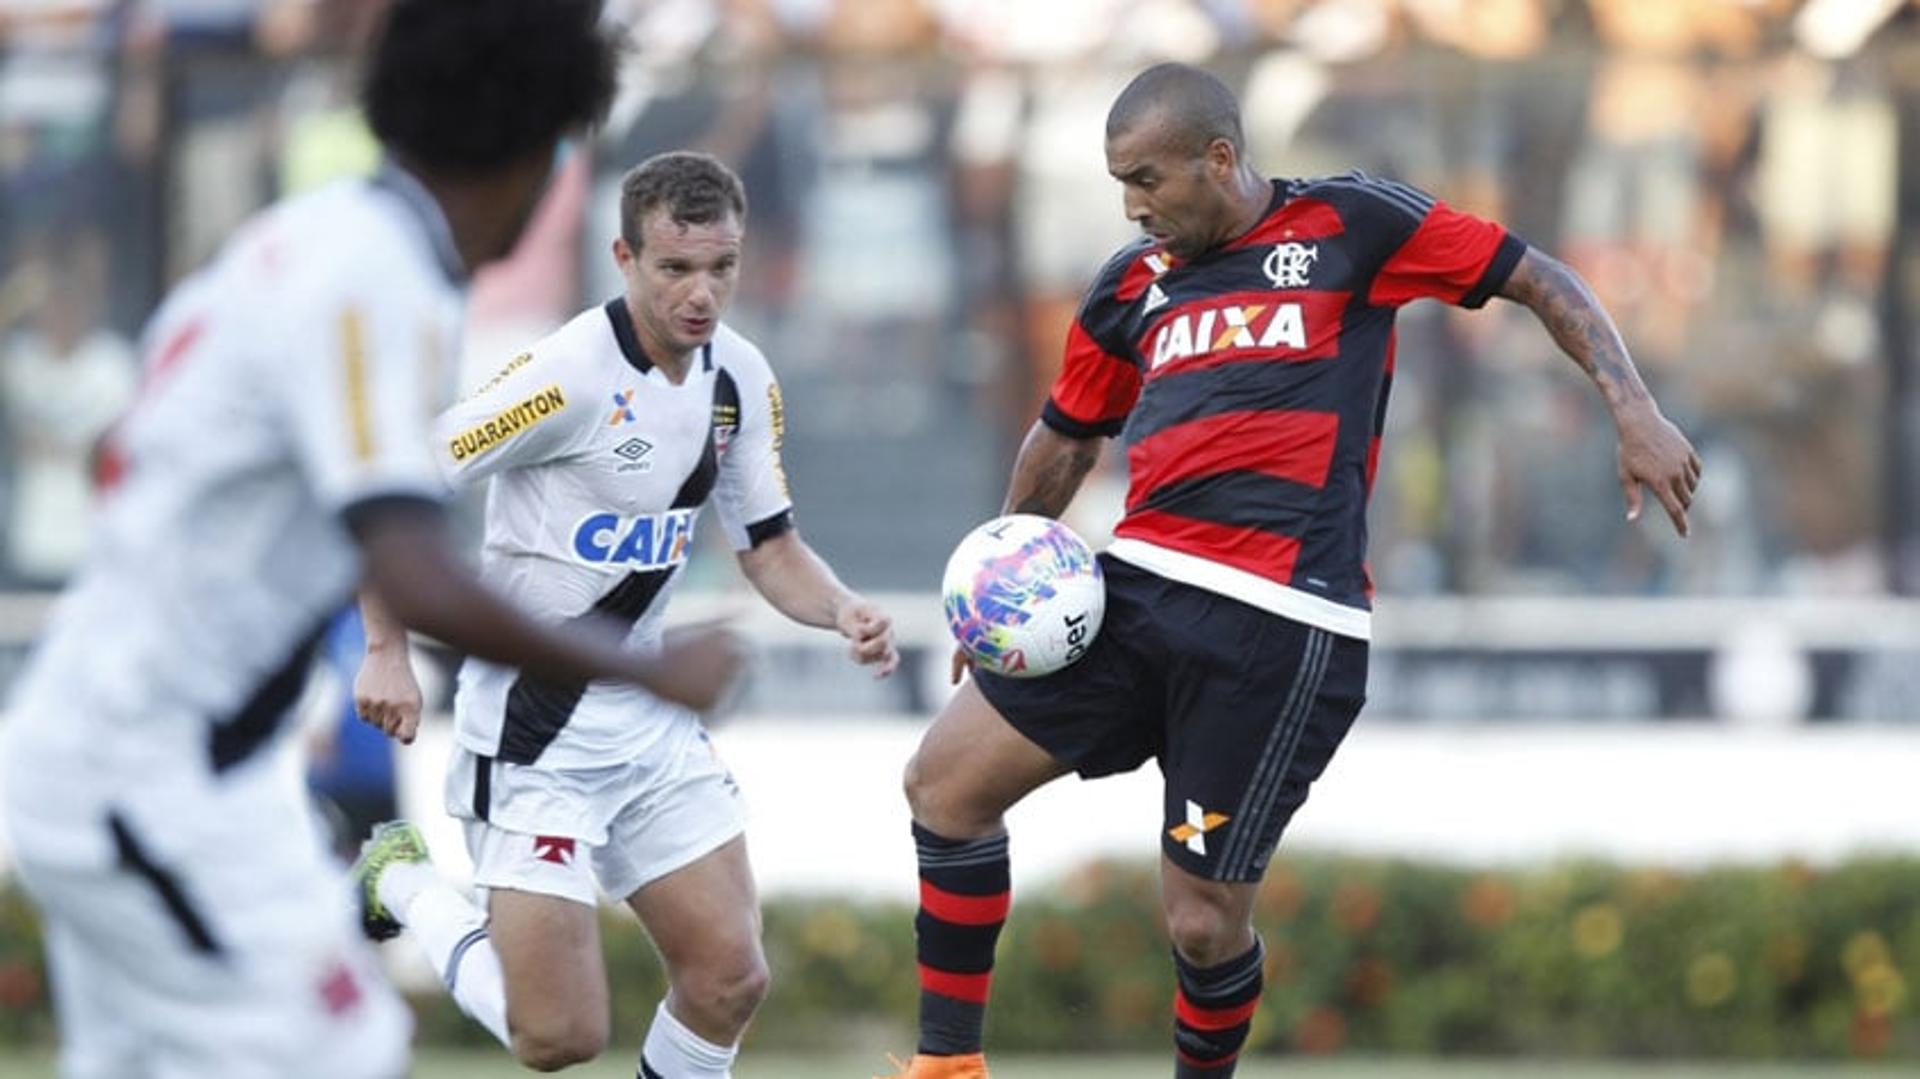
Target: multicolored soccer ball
{"x": 1023, "y": 596}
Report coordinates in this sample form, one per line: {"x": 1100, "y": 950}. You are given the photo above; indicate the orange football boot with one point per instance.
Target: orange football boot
{"x": 923, "y": 1066}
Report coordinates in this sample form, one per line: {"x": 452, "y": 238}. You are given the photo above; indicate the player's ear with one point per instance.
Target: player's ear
{"x": 623, "y": 255}
{"x": 1222, "y": 158}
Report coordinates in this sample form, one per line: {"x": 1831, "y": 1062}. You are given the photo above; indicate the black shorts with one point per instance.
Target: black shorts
{"x": 1242, "y": 707}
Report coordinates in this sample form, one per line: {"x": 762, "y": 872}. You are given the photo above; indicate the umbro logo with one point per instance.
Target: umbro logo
{"x": 1156, "y": 298}
{"x": 634, "y": 451}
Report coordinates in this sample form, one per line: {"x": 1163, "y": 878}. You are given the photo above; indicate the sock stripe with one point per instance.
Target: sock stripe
{"x": 647, "y": 1072}
{"x": 1203, "y": 1018}
{"x": 460, "y": 950}
{"x": 971, "y": 988}
{"x": 937, "y": 851}
{"x": 964, "y": 909}
{"x": 1232, "y": 989}
{"x": 1192, "y": 1061}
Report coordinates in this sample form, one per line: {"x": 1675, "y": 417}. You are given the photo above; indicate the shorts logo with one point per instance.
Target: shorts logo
{"x": 1288, "y": 264}
{"x": 557, "y": 849}
{"x": 648, "y": 541}
{"x": 1194, "y": 832}
{"x": 339, "y": 991}
{"x": 622, "y": 408}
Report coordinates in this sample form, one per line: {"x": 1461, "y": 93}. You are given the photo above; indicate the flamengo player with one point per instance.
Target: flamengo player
{"x": 601, "y": 445}
{"x": 278, "y": 454}
{"x": 1242, "y": 349}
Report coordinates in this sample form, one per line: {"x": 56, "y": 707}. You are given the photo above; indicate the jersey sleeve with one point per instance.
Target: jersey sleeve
{"x": 751, "y": 496}
{"x": 533, "y": 410}
{"x": 1449, "y": 255}
{"x": 359, "y": 378}
{"x": 1097, "y": 385}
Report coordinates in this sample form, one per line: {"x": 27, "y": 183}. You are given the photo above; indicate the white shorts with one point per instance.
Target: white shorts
{"x": 558, "y": 831}
{"x": 194, "y": 924}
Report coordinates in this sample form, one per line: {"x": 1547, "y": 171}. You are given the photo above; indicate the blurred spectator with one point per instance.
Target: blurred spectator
{"x": 929, "y": 198}
{"x": 64, "y": 379}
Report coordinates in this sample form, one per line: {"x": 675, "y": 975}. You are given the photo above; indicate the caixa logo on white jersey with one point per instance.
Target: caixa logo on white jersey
{"x": 646, "y": 541}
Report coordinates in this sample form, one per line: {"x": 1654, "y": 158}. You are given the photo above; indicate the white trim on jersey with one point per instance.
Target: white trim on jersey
{"x": 1246, "y": 587}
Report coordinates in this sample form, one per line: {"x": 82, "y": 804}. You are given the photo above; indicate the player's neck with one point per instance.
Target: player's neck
{"x": 672, "y": 363}
{"x": 1249, "y": 201}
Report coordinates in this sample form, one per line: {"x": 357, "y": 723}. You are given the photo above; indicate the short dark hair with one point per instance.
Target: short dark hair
{"x": 466, "y": 86}
{"x": 1199, "y": 105}
{"x": 696, "y": 189}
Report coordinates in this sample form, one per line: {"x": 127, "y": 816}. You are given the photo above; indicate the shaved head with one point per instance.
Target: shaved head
{"x": 1192, "y": 105}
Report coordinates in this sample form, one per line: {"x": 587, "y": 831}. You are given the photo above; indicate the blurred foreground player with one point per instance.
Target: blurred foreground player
{"x": 601, "y": 445}
{"x": 278, "y": 454}
{"x": 1242, "y": 348}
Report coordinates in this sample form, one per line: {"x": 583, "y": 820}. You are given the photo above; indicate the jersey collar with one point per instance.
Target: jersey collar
{"x": 425, "y": 210}
{"x": 622, "y": 321}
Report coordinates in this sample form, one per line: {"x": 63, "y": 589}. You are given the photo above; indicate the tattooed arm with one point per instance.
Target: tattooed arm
{"x": 1652, "y": 450}
{"x": 1048, "y": 471}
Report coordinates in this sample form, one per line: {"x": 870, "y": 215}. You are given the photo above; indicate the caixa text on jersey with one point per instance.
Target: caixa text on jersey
{"x": 652, "y": 540}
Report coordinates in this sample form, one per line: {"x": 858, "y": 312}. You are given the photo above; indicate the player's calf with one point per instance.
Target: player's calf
{"x": 1213, "y": 1011}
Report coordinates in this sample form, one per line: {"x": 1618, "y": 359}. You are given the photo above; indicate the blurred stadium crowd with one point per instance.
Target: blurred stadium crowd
{"x": 929, "y": 198}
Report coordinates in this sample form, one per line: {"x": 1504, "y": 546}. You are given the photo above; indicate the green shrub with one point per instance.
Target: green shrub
{"x": 1386, "y": 956}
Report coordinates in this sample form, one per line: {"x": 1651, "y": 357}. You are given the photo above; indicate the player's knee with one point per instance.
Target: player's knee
{"x": 936, "y": 804}
{"x": 550, "y": 1048}
{"x": 917, "y": 784}
{"x": 1204, "y": 931}
{"x": 729, "y": 996}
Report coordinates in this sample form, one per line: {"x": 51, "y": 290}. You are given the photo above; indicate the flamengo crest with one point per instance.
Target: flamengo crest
{"x": 1288, "y": 264}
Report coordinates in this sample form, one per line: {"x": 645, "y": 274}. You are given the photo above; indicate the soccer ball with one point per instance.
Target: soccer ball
{"x": 1023, "y": 595}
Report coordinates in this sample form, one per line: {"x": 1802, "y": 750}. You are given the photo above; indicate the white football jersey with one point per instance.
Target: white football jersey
{"x": 288, "y": 383}
{"x": 599, "y": 467}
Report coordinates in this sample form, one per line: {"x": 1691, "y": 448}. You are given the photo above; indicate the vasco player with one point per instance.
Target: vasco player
{"x": 1241, "y": 350}
{"x": 602, "y": 444}
{"x": 195, "y": 924}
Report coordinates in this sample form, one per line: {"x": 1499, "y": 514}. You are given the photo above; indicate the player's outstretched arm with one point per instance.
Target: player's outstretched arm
{"x": 413, "y": 568}
{"x": 1652, "y": 450}
{"x": 385, "y": 691}
{"x": 1049, "y": 470}
{"x": 800, "y": 584}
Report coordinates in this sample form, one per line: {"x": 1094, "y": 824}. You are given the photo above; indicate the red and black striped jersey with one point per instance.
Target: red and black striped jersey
{"x": 1249, "y": 385}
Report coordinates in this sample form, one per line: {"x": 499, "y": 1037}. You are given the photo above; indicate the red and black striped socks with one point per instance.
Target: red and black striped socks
{"x": 1213, "y": 1009}
{"x": 963, "y": 903}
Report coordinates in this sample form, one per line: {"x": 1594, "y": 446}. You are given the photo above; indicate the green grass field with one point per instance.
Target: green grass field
{"x": 493, "y": 1065}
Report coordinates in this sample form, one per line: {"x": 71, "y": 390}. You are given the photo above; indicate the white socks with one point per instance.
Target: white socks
{"x": 674, "y": 1052}
{"x": 453, "y": 931}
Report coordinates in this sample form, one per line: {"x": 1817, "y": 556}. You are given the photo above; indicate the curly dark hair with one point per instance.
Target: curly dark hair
{"x": 466, "y": 86}
{"x": 695, "y": 188}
